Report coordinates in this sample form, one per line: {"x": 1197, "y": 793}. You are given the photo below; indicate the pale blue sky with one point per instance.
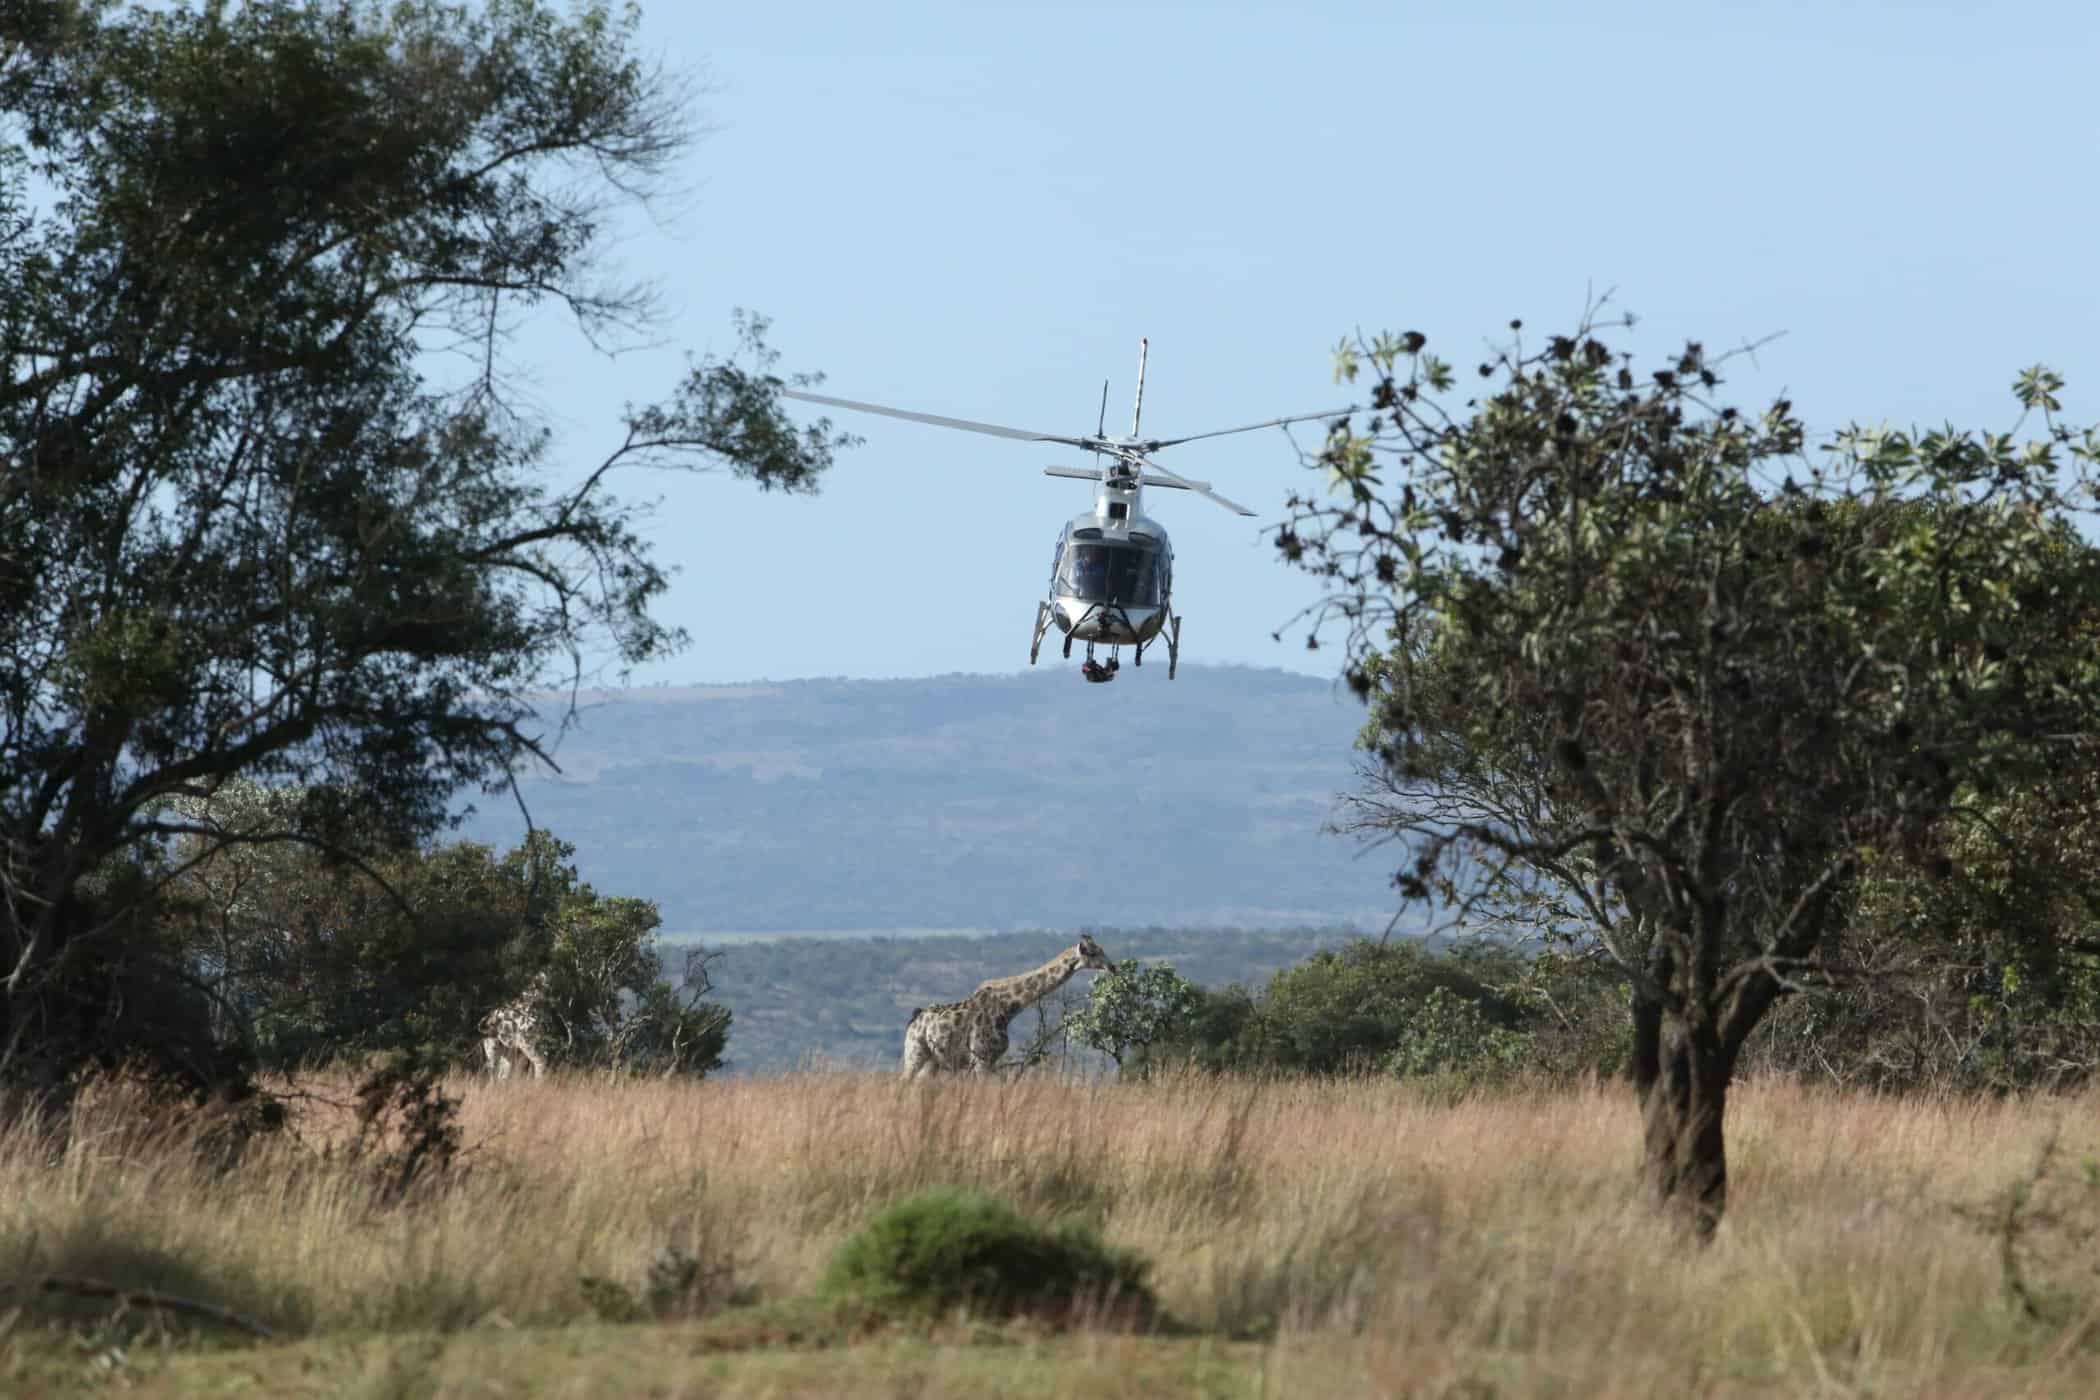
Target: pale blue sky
{"x": 977, "y": 209}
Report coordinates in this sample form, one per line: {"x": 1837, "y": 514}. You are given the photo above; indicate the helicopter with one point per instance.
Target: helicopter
{"x": 1111, "y": 577}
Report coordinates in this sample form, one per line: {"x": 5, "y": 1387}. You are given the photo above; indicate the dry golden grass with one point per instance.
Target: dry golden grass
{"x": 1375, "y": 1239}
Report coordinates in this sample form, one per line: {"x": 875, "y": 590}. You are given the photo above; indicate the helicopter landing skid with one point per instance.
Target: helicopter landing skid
{"x": 1042, "y": 625}
{"x": 1172, "y": 633}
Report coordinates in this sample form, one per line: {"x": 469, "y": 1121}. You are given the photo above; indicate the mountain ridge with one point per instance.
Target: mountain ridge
{"x": 964, "y": 801}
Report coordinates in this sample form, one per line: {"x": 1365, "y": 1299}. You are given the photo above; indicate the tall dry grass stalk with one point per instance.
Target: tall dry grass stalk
{"x": 1495, "y": 1235}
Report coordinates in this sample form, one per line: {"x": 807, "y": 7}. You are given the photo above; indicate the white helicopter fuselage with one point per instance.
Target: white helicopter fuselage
{"x": 1111, "y": 577}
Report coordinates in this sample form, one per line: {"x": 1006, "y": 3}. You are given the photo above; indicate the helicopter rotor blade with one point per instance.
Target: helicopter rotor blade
{"x": 1154, "y": 444}
{"x": 965, "y": 424}
{"x": 1148, "y": 478}
{"x": 1167, "y": 478}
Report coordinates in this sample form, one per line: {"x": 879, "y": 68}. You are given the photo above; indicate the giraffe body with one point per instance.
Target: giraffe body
{"x": 508, "y": 1033}
{"x": 971, "y": 1034}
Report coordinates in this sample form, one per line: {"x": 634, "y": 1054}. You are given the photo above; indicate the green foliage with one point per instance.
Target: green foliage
{"x": 1575, "y": 1011}
{"x": 1651, "y": 654}
{"x": 1221, "y": 1031}
{"x": 1352, "y": 1009}
{"x": 1450, "y": 1034}
{"x": 1474, "y": 1013}
{"x": 949, "y": 1247}
{"x": 669, "y": 1029}
{"x": 248, "y": 529}
{"x": 1131, "y": 1008}
{"x": 1981, "y": 974}
{"x": 308, "y": 960}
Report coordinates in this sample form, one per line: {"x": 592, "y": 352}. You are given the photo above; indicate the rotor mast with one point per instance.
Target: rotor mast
{"x": 1138, "y": 410}
{"x": 1121, "y": 481}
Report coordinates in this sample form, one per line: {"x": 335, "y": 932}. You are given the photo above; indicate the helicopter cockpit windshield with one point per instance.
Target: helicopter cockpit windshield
{"x": 1111, "y": 573}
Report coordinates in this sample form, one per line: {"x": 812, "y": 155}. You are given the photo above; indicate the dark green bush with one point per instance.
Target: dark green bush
{"x": 948, "y": 1247}
{"x": 1471, "y": 1013}
{"x": 1450, "y": 1035}
{"x": 1216, "y": 1035}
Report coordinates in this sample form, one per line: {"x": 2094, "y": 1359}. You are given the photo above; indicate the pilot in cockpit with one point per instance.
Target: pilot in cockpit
{"x": 1090, "y": 573}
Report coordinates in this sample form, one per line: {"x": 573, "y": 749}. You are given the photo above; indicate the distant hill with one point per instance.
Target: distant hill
{"x": 979, "y": 803}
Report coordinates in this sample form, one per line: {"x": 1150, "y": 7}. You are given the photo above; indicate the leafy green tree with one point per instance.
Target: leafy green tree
{"x": 1349, "y": 1009}
{"x": 310, "y": 962}
{"x": 1449, "y": 1034}
{"x": 1977, "y": 974}
{"x": 250, "y": 526}
{"x": 671, "y": 1028}
{"x": 1221, "y": 1028}
{"x": 1983, "y": 977}
{"x": 1742, "y": 669}
{"x": 607, "y": 1001}
{"x": 1131, "y": 1008}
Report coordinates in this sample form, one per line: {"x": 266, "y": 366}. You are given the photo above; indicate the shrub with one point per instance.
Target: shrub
{"x": 948, "y": 1247}
{"x": 1450, "y": 1035}
{"x": 1131, "y": 1008}
{"x": 1351, "y": 1008}
{"x": 1218, "y": 1034}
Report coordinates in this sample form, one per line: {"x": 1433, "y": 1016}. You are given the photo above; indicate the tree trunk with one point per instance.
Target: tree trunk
{"x": 1681, "y": 1074}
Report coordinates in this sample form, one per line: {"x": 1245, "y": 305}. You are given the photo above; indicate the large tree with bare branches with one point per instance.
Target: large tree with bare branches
{"x": 1665, "y": 670}
{"x": 253, "y": 521}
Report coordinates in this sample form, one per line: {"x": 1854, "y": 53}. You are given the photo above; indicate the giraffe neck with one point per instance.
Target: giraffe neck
{"x": 1010, "y": 996}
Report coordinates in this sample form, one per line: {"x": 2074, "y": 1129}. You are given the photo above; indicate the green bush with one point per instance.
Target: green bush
{"x": 1450, "y": 1035}
{"x": 1473, "y": 1013}
{"x": 1350, "y": 1009}
{"x": 948, "y": 1247}
{"x": 1132, "y": 1008}
{"x": 1217, "y": 1035}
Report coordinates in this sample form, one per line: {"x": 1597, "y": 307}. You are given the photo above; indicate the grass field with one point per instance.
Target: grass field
{"x": 1352, "y": 1238}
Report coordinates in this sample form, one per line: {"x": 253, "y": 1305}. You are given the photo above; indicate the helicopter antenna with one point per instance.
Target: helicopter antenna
{"x": 1102, "y": 429}
{"x": 1138, "y": 411}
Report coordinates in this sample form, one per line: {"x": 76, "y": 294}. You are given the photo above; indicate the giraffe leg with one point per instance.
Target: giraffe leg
{"x": 532, "y": 1057}
{"x": 912, "y": 1052}
{"x": 987, "y": 1044}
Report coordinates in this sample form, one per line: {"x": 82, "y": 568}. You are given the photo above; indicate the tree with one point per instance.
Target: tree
{"x": 243, "y": 530}
{"x": 606, "y": 999}
{"x": 1738, "y": 669}
{"x": 673, "y": 1029}
{"x": 307, "y": 962}
{"x": 1131, "y": 1008}
{"x": 1984, "y": 978}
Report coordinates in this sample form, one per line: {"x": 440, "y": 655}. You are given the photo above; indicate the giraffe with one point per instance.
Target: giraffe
{"x": 511, "y": 1030}
{"x": 971, "y": 1033}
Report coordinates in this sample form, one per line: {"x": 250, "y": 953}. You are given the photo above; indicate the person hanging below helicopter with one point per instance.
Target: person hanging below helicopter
{"x": 1095, "y": 671}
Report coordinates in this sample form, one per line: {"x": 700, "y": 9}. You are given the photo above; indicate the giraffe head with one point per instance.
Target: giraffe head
{"x": 1090, "y": 954}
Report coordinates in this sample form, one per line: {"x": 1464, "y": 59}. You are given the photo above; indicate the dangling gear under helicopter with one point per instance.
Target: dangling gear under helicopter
{"x": 1111, "y": 579}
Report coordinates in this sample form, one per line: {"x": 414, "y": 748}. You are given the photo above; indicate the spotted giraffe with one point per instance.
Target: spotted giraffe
{"x": 513, "y": 1029}
{"x": 971, "y": 1033}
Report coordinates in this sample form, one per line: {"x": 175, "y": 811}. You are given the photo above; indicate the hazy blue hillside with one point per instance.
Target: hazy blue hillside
{"x": 965, "y": 802}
